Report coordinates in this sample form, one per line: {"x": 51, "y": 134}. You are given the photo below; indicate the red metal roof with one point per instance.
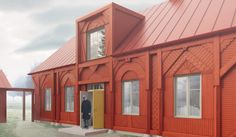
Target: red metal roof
{"x": 63, "y": 57}
{"x": 4, "y": 83}
{"x": 179, "y": 19}
{"x": 169, "y": 21}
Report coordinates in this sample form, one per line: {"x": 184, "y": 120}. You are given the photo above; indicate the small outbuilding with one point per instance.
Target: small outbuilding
{"x": 6, "y": 86}
{"x": 4, "y": 83}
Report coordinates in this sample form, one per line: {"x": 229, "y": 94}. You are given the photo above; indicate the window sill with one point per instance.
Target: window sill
{"x": 95, "y": 59}
{"x": 188, "y": 117}
{"x": 130, "y": 114}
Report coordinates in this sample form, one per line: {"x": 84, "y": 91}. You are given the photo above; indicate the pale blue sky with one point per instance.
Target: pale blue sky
{"x": 31, "y": 30}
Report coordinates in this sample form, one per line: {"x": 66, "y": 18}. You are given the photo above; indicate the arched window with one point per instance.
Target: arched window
{"x": 130, "y": 93}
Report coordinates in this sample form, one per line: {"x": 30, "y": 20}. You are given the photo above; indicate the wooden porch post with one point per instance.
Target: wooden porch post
{"x": 160, "y": 90}
{"x": 23, "y": 106}
{"x": 32, "y": 106}
{"x": 217, "y": 98}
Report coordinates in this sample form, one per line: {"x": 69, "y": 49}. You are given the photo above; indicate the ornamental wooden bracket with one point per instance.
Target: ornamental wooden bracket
{"x": 228, "y": 66}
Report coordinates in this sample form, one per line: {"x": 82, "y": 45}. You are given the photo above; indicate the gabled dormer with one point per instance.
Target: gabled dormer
{"x": 101, "y": 32}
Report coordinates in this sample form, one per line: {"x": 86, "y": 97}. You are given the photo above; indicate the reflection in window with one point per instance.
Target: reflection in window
{"x": 48, "y": 99}
{"x": 130, "y": 97}
{"x": 69, "y": 99}
{"x": 96, "y": 44}
{"x": 188, "y": 96}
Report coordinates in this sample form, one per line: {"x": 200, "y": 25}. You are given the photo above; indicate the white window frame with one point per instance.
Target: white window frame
{"x": 188, "y": 97}
{"x": 131, "y": 102}
{"x": 88, "y": 46}
{"x": 47, "y": 101}
{"x": 69, "y": 109}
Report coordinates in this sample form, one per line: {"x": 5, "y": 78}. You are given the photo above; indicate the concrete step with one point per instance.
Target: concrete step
{"x": 77, "y": 130}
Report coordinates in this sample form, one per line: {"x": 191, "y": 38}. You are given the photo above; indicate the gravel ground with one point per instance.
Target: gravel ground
{"x": 15, "y": 127}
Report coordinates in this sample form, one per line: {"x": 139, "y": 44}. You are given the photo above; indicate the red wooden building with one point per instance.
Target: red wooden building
{"x": 167, "y": 71}
{"x": 4, "y": 83}
{"x": 6, "y": 86}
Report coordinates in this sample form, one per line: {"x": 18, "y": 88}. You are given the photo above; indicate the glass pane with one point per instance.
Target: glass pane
{"x": 135, "y": 97}
{"x": 47, "y": 101}
{"x": 180, "y": 96}
{"x": 101, "y": 43}
{"x": 96, "y": 44}
{"x": 126, "y": 102}
{"x": 95, "y": 86}
{"x": 69, "y": 99}
{"x": 194, "y": 102}
{"x": 194, "y": 82}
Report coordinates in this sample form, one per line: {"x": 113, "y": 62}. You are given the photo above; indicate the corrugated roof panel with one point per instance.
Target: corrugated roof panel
{"x": 62, "y": 57}
{"x": 226, "y": 21}
{"x": 211, "y": 16}
{"x": 160, "y": 23}
{"x": 173, "y": 22}
{"x": 158, "y": 29}
{"x": 196, "y": 18}
{"x": 200, "y": 17}
{"x": 4, "y": 83}
{"x": 234, "y": 21}
{"x": 180, "y": 27}
{"x": 152, "y": 26}
{"x": 162, "y": 26}
{"x": 142, "y": 28}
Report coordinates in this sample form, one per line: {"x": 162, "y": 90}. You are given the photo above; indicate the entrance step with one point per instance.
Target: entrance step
{"x": 77, "y": 130}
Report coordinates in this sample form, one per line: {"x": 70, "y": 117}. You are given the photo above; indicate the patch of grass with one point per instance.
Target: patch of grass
{"x": 15, "y": 127}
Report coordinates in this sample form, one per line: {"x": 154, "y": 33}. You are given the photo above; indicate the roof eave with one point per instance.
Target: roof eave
{"x": 36, "y": 72}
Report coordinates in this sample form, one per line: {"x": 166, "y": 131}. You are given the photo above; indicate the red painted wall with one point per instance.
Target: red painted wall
{"x": 228, "y": 89}
{"x": 3, "y": 109}
{"x": 57, "y": 80}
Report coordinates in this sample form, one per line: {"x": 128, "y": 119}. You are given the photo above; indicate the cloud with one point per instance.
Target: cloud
{"x": 69, "y": 12}
{"x": 50, "y": 40}
{"x": 21, "y": 5}
{"x": 60, "y": 14}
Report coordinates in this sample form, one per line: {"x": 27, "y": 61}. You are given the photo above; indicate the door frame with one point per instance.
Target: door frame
{"x": 92, "y": 104}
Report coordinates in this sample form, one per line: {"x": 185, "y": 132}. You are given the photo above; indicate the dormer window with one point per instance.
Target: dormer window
{"x": 96, "y": 44}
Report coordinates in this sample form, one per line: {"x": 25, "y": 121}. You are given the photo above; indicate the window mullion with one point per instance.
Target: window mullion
{"x": 188, "y": 99}
{"x": 131, "y": 98}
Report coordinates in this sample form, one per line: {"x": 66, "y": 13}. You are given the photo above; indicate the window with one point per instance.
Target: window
{"x": 48, "y": 99}
{"x": 97, "y": 86}
{"x": 130, "y": 97}
{"x": 69, "y": 99}
{"x": 188, "y": 96}
{"x": 96, "y": 44}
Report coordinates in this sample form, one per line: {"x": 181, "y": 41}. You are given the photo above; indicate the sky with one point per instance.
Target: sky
{"x": 31, "y": 30}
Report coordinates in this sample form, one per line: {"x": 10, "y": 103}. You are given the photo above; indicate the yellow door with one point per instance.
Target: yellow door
{"x": 98, "y": 109}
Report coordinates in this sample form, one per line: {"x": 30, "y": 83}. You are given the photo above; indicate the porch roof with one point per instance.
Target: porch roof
{"x": 6, "y": 86}
{"x": 4, "y": 83}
